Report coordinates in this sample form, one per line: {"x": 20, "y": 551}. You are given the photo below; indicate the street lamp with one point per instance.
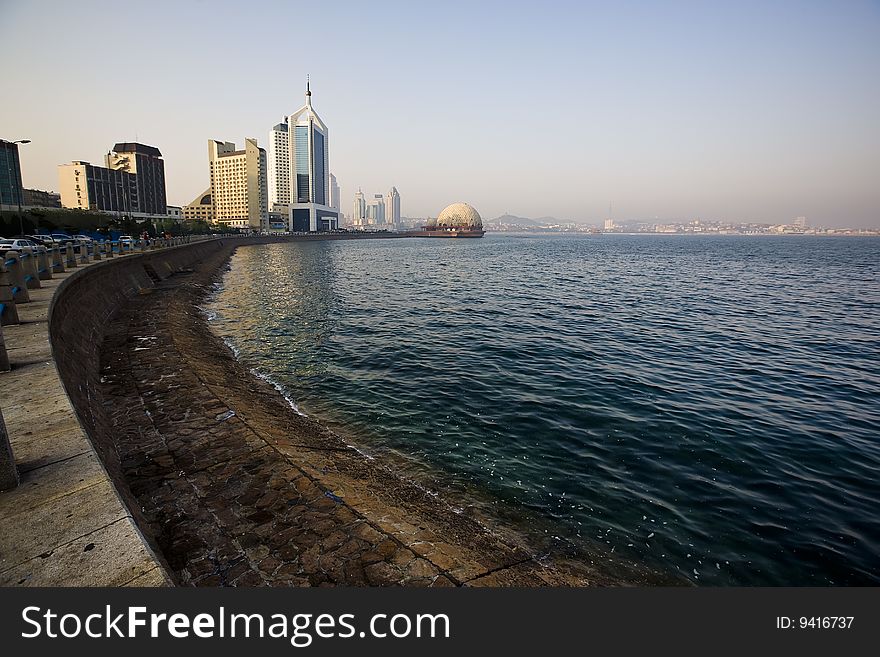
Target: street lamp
{"x": 21, "y": 187}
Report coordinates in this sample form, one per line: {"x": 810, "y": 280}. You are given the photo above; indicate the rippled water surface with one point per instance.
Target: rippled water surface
{"x": 707, "y": 406}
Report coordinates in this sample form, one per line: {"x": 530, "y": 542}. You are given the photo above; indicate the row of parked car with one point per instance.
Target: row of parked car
{"x": 45, "y": 242}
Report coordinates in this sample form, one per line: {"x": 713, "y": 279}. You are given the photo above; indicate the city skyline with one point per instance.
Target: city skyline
{"x": 758, "y": 112}
{"x": 376, "y": 211}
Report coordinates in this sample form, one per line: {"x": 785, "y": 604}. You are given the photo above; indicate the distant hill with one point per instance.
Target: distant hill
{"x": 513, "y": 220}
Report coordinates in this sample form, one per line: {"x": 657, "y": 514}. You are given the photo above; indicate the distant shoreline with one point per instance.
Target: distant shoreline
{"x": 527, "y": 231}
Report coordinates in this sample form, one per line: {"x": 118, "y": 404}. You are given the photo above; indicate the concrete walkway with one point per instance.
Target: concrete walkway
{"x": 65, "y": 525}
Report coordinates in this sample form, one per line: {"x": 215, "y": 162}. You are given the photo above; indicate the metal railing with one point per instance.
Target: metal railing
{"x": 23, "y": 270}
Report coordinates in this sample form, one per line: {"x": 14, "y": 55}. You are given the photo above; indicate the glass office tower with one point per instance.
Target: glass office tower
{"x": 310, "y": 170}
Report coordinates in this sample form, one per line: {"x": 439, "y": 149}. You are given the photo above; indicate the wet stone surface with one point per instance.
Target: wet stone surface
{"x": 238, "y": 490}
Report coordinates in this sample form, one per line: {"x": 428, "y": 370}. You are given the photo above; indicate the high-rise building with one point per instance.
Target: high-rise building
{"x": 279, "y": 168}
{"x": 85, "y": 186}
{"x": 310, "y": 208}
{"x": 800, "y": 222}
{"x": 131, "y": 183}
{"x": 11, "y": 191}
{"x": 358, "y": 217}
{"x": 147, "y": 164}
{"x": 392, "y": 209}
{"x": 608, "y": 224}
{"x": 334, "y": 193}
{"x": 239, "y": 196}
{"x": 376, "y": 211}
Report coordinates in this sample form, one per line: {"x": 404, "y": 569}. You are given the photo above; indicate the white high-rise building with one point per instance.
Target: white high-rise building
{"x": 310, "y": 208}
{"x": 392, "y": 209}
{"x": 279, "y": 168}
{"x": 376, "y": 211}
{"x": 334, "y": 194}
{"x": 359, "y": 213}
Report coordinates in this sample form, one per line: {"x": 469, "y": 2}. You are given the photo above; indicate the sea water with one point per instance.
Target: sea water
{"x": 708, "y": 406}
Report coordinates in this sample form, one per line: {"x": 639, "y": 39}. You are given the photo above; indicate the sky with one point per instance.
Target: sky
{"x": 741, "y": 111}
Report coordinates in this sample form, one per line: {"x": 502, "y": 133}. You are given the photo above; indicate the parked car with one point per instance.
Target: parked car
{"x": 8, "y": 245}
{"x": 85, "y": 241}
{"x": 18, "y": 245}
{"x": 62, "y": 239}
{"x": 126, "y": 238}
{"x": 46, "y": 240}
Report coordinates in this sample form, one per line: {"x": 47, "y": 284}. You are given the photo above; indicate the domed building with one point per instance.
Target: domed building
{"x": 456, "y": 220}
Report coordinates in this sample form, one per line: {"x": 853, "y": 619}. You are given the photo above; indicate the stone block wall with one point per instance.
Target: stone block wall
{"x": 80, "y": 311}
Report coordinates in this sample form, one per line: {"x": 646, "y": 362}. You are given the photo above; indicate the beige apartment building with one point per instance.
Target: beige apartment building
{"x": 239, "y": 195}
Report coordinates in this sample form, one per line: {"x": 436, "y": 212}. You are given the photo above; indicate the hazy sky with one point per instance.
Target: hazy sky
{"x": 756, "y": 111}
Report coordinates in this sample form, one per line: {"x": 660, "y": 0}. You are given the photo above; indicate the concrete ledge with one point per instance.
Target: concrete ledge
{"x": 65, "y": 525}
{"x": 113, "y": 555}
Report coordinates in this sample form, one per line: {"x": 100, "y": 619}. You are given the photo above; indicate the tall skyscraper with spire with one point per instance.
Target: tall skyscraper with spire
{"x": 310, "y": 204}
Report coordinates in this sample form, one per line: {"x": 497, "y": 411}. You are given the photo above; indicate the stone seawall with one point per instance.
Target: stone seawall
{"x": 79, "y": 313}
{"x": 66, "y": 523}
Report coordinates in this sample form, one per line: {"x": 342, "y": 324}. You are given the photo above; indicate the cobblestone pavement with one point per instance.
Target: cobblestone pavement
{"x": 239, "y": 490}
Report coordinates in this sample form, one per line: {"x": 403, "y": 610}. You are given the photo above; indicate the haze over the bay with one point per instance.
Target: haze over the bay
{"x": 752, "y": 111}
